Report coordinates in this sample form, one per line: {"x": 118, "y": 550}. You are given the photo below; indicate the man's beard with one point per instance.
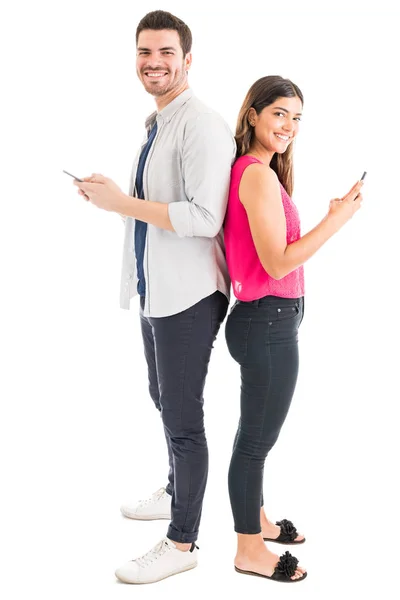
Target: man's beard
{"x": 172, "y": 84}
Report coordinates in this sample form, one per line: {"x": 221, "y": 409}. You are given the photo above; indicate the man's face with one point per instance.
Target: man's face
{"x": 160, "y": 64}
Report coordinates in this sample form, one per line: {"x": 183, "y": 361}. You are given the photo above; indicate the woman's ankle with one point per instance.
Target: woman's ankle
{"x": 248, "y": 544}
{"x": 264, "y": 521}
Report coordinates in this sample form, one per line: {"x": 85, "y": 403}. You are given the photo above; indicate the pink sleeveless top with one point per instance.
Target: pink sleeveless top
{"x": 249, "y": 279}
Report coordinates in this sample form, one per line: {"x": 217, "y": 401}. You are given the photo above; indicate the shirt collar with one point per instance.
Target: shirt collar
{"x": 168, "y": 111}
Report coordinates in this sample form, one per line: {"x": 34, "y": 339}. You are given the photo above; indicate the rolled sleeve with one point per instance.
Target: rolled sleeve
{"x": 207, "y": 155}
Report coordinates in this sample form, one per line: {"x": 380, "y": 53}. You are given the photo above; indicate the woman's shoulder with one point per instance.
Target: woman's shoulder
{"x": 255, "y": 171}
{"x": 258, "y": 182}
{"x": 251, "y": 166}
{"x": 246, "y": 159}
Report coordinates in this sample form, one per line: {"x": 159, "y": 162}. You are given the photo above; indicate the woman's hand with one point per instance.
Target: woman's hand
{"x": 342, "y": 209}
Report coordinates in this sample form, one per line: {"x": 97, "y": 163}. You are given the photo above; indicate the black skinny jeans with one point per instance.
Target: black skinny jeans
{"x": 177, "y": 351}
{"x": 262, "y": 337}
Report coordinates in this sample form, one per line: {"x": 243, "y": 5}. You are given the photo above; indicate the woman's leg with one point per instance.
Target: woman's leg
{"x": 262, "y": 338}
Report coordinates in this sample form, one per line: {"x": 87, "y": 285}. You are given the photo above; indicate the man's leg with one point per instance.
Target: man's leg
{"x": 158, "y": 505}
{"x": 183, "y": 345}
{"x": 149, "y": 353}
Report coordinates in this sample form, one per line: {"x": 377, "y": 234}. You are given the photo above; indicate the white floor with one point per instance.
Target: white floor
{"x": 92, "y": 440}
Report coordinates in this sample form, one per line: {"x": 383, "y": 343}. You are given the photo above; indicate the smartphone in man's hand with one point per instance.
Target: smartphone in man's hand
{"x": 77, "y": 179}
{"x": 70, "y": 174}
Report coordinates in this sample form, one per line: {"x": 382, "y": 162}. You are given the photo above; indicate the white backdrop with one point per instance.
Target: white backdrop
{"x": 78, "y": 432}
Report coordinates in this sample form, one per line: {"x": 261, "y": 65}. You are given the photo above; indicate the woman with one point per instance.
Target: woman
{"x": 265, "y": 255}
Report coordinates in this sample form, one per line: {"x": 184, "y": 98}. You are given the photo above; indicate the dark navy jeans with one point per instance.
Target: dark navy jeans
{"x": 177, "y": 351}
{"x": 262, "y": 337}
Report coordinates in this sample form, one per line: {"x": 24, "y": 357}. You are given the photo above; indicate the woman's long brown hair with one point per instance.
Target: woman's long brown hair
{"x": 261, "y": 94}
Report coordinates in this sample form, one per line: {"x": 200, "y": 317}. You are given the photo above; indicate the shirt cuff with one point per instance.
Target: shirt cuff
{"x": 180, "y": 217}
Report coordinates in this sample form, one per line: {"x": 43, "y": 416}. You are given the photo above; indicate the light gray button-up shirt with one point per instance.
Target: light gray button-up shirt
{"x": 188, "y": 168}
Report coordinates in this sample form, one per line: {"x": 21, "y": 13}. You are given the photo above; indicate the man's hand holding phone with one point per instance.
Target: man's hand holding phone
{"x": 81, "y": 180}
{"x": 102, "y": 191}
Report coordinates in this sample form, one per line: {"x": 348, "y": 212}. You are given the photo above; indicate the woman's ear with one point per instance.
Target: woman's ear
{"x": 251, "y": 116}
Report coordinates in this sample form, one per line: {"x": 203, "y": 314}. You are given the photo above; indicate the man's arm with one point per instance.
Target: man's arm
{"x": 155, "y": 213}
{"x": 104, "y": 193}
{"x": 208, "y": 153}
{"x": 207, "y": 156}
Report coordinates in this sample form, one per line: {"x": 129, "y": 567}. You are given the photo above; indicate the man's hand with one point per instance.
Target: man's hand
{"x": 104, "y": 193}
{"x": 101, "y": 191}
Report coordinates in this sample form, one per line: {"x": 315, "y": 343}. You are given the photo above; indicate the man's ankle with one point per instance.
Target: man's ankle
{"x": 182, "y": 547}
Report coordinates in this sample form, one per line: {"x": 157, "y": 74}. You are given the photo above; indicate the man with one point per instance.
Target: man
{"x": 174, "y": 259}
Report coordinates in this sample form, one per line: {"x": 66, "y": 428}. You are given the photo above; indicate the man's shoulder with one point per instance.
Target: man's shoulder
{"x": 196, "y": 108}
{"x": 202, "y": 122}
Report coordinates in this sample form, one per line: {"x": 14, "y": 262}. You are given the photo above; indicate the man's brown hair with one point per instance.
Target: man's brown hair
{"x": 160, "y": 19}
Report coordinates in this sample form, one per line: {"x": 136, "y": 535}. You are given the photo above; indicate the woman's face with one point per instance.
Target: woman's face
{"x": 277, "y": 124}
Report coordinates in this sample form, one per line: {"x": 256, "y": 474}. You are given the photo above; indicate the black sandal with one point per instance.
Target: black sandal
{"x": 287, "y": 535}
{"x": 284, "y": 570}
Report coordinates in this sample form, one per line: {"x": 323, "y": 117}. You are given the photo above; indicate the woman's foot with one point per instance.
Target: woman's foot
{"x": 272, "y": 531}
{"x": 252, "y": 555}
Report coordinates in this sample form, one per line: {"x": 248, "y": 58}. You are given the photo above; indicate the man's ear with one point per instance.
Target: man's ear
{"x": 188, "y": 61}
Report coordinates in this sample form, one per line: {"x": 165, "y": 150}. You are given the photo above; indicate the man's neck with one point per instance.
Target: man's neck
{"x": 163, "y": 101}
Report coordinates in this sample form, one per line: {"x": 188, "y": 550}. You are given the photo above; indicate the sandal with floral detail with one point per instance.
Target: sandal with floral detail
{"x": 284, "y": 570}
{"x": 287, "y": 535}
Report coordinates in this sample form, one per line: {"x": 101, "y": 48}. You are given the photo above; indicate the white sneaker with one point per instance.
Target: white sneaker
{"x": 162, "y": 561}
{"x": 158, "y": 506}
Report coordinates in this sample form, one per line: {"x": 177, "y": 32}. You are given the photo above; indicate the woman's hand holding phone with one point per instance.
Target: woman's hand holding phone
{"x": 342, "y": 209}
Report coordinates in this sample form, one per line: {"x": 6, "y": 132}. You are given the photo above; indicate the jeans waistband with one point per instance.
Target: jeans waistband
{"x": 273, "y": 301}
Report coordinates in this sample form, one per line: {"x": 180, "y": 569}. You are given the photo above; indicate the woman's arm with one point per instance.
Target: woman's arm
{"x": 260, "y": 195}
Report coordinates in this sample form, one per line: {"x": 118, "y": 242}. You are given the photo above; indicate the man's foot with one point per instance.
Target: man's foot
{"x": 262, "y": 562}
{"x": 158, "y": 506}
{"x": 162, "y": 561}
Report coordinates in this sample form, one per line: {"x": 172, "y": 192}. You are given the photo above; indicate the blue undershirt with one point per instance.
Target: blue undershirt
{"x": 140, "y": 226}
